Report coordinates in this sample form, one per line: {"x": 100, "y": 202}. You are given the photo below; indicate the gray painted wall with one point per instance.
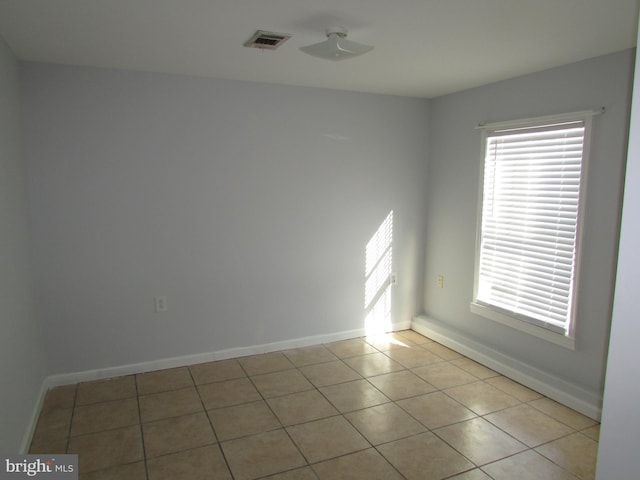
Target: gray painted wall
{"x": 21, "y": 349}
{"x": 452, "y": 189}
{"x": 248, "y": 205}
{"x": 619, "y": 440}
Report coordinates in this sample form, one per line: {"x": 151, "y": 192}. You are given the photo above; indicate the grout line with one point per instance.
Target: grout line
{"x": 73, "y": 411}
{"x": 284, "y": 428}
{"x": 343, "y": 414}
{"x": 344, "y": 362}
{"x": 213, "y": 429}
{"x": 144, "y": 448}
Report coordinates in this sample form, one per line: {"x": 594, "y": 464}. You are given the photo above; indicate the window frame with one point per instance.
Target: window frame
{"x": 565, "y": 339}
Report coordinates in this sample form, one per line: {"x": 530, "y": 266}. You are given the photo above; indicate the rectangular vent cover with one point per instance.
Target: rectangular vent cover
{"x": 267, "y": 40}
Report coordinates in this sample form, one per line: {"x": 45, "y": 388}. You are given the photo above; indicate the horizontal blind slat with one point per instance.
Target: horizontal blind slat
{"x": 529, "y": 219}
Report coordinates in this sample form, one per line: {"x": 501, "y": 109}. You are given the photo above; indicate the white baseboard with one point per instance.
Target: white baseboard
{"x": 110, "y": 372}
{"x": 182, "y": 361}
{"x": 33, "y": 421}
{"x": 560, "y": 390}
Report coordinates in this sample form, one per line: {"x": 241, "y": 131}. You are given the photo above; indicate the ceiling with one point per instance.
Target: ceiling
{"x": 423, "y": 48}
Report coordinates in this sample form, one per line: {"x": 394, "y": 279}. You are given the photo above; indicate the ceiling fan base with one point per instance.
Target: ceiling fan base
{"x": 336, "y": 46}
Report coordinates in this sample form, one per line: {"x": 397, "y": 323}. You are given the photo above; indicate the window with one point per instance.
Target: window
{"x": 530, "y": 222}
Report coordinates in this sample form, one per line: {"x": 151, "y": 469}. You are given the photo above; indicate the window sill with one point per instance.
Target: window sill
{"x": 543, "y": 333}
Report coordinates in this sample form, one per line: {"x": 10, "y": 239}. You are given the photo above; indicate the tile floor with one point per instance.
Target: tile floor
{"x": 397, "y": 406}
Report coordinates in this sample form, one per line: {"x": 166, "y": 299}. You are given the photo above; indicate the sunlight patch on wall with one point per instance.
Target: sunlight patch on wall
{"x": 378, "y": 270}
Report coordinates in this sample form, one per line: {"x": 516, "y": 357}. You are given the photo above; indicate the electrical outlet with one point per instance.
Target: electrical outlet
{"x": 160, "y": 303}
{"x": 440, "y": 281}
{"x": 393, "y": 278}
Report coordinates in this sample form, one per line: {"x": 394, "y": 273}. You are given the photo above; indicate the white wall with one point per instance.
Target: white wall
{"x": 620, "y": 432}
{"x": 452, "y": 188}
{"x": 248, "y": 205}
{"x": 21, "y": 349}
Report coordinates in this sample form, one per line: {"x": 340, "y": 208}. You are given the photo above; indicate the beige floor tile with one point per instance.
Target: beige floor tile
{"x": 424, "y": 456}
{"x": 444, "y": 375}
{"x": 261, "y": 455}
{"x": 60, "y": 397}
{"x": 130, "y": 471}
{"x": 176, "y": 434}
{"x": 216, "y": 371}
{"x": 388, "y": 341}
{"x": 442, "y": 351}
{"x": 402, "y": 384}
{"x": 575, "y": 453}
{"x": 527, "y": 465}
{"x": 414, "y": 337}
{"x": 242, "y": 420}
{"x": 105, "y": 390}
{"x": 329, "y": 373}
{"x": 206, "y": 463}
{"x": 350, "y": 348}
{"x": 303, "y": 356}
{"x": 373, "y": 364}
{"x": 435, "y": 410}
{"x": 163, "y": 380}
{"x": 592, "y": 432}
{"x": 474, "y": 368}
{"x": 281, "y": 383}
{"x": 328, "y": 438}
{"x": 298, "y": 474}
{"x": 514, "y": 389}
{"x": 475, "y": 474}
{"x": 384, "y": 423}
{"x": 367, "y": 464}
{"x": 481, "y": 398}
{"x": 528, "y": 425}
{"x": 563, "y": 414}
{"x": 97, "y": 451}
{"x": 52, "y": 425}
{"x": 265, "y": 363}
{"x": 301, "y": 407}
{"x": 480, "y": 441}
{"x": 51, "y": 446}
{"x": 355, "y": 395}
{"x": 413, "y": 357}
{"x": 227, "y": 393}
{"x": 173, "y": 403}
{"x": 105, "y": 416}
{"x": 480, "y": 416}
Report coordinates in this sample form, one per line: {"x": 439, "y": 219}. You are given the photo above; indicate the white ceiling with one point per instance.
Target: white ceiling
{"x": 423, "y": 48}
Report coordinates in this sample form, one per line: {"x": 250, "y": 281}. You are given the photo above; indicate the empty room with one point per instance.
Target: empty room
{"x": 319, "y": 240}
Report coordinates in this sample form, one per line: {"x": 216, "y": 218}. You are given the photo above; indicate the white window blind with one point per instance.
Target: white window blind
{"x": 530, "y": 222}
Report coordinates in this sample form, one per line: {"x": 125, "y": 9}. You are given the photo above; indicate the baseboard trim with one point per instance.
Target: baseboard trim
{"x": 181, "y": 361}
{"x": 33, "y": 420}
{"x": 568, "y": 394}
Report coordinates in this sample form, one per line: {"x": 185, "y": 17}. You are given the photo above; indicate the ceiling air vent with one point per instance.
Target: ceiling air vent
{"x": 267, "y": 40}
